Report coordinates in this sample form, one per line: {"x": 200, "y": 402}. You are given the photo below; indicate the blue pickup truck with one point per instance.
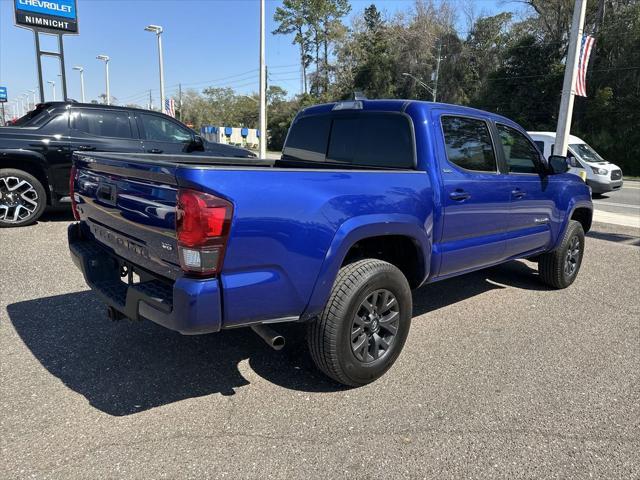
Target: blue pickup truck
{"x": 370, "y": 200}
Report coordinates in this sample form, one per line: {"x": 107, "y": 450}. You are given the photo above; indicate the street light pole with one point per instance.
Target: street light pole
{"x": 263, "y": 88}
{"x": 422, "y": 84}
{"x": 81, "y": 70}
{"x": 105, "y": 59}
{"x": 157, "y": 29}
{"x": 53, "y": 88}
{"x": 33, "y": 92}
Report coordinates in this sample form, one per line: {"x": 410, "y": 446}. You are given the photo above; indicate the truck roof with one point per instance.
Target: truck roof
{"x": 73, "y": 103}
{"x": 400, "y": 105}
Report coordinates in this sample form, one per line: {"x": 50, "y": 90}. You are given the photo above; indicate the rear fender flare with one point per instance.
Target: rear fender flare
{"x": 359, "y": 228}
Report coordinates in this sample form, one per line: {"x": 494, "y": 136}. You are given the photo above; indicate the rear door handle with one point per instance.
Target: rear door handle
{"x": 154, "y": 150}
{"x": 517, "y": 193}
{"x": 459, "y": 195}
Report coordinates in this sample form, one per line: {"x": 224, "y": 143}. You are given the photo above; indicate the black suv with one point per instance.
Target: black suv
{"x": 35, "y": 152}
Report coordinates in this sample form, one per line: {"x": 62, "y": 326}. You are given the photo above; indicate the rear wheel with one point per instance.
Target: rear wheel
{"x": 22, "y": 198}
{"x": 365, "y": 324}
{"x": 559, "y": 268}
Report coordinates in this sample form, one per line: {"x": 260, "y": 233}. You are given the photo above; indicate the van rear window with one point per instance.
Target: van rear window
{"x": 363, "y": 139}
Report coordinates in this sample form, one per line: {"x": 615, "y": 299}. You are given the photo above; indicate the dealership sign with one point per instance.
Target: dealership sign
{"x": 52, "y": 16}
{"x": 3, "y": 94}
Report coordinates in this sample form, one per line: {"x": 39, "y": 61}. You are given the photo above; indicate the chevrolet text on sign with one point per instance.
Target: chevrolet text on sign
{"x": 47, "y": 15}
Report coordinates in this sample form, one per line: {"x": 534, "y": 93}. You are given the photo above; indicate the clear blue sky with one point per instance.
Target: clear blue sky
{"x": 207, "y": 42}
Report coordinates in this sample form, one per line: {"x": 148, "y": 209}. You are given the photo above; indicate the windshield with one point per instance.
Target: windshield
{"x": 586, "y": 153}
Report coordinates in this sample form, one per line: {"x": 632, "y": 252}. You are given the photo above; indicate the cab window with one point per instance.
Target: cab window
{"x": 163, "y": 130}
{"x": 468, "y": 144}
{"x": 519, "y": 153}
{"x": 359, "y": 139}
{"x": 102, "y": 123}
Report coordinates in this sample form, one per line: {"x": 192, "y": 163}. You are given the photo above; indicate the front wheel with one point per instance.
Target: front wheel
{"x": 559, "y": 268}
{"x": 365, "y": 324}
{"x": 22, "y": 198}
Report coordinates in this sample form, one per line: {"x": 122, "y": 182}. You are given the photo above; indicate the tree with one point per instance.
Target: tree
{"x": 375, "y": 73}
{"x": 293, "y": 16}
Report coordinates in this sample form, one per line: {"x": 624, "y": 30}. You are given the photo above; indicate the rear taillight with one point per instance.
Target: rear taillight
{"x": 72, "y": 181}
{"x": 203, "y": 222}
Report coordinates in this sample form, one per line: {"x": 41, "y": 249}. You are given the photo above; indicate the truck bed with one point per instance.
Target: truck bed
{"x": 287, "y": 221}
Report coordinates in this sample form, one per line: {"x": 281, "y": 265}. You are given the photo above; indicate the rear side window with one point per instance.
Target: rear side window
{"x": 307, "y": 139}
{"x": 102, "y": 123}
{"x": 374, "y": 139}
{"x": 468, "y": 144}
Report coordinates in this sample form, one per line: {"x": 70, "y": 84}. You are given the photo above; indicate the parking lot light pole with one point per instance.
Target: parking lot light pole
{"x": 53, "y": 88}
{"x": 157, "y": 29}
{"x": 81, "y": 70}
{"x": 33, "y": 92}
{"x": 105, "y": 59}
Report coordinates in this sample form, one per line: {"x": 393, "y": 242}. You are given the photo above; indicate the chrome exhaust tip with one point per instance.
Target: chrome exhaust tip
{"x": 270, "y": 336}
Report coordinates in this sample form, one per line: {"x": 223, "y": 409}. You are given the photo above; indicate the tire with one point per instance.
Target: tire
{"x": 559, "y": 268}
{"x": 22, "y": 198}
{"x": 351, "y": 345}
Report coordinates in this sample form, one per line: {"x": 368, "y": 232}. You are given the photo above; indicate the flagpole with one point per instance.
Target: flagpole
{"x": 263, "y": 88}
{"x": 568, "y": 87}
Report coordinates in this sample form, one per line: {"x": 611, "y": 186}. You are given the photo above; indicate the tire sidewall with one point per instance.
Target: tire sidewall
{"x": 575, "y": 229}
{"x": 363, "y": 373}
{"x": 42, "y": 197}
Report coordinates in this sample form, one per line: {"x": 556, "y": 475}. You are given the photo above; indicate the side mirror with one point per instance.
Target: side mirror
{"x": 560, "y": 164}
{"x": 196, "y": 143}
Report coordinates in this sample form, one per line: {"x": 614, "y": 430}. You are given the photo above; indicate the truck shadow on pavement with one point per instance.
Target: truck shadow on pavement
{"x": 127, "y": 367}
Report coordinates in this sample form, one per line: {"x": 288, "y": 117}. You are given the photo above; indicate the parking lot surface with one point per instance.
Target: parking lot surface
{"x": 500, "y": 377}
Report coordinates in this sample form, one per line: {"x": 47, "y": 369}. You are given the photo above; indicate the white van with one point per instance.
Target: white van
{"x": 602, "y": 176}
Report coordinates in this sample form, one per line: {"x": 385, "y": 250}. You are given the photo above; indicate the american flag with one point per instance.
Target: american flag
{"x": 583, "y": 62}
{"x": 170, "y": 107}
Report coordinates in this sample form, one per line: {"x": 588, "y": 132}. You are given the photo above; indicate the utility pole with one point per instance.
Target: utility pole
{"x": 263, "y": 88}
{"x": 570, "y": 74}
{"x": 150, "y": 101}
{"x": 435, "y": 85}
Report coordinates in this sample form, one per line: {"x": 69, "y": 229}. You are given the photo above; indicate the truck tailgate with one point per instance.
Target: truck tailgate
{"x": 129, "y": 206}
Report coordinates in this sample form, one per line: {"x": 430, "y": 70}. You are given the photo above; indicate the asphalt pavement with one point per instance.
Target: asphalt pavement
{"x": 500, "y": 378}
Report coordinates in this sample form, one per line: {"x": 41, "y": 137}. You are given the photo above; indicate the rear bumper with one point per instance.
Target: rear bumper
{"x": 602, "y": 187}
{"x": 189, "y": 306}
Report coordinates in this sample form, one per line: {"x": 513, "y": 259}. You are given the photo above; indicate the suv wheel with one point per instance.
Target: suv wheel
{"x": 22, "y": 198}
{"x": 559, "y": 268}
{"x": 365, "y": 324}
